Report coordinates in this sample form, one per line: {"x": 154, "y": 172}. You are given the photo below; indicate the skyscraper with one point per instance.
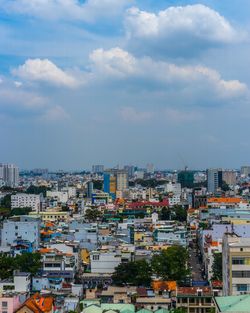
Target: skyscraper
{"x": 214, "y": 179}
{"x": 115, "y": 180}
{"x": 97, "y": 169}
{"x": 9, "y": 174}
{"x": 186, "y": 179}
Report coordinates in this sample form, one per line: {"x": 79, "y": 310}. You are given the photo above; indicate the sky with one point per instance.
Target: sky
{"x": 125, "y": 82}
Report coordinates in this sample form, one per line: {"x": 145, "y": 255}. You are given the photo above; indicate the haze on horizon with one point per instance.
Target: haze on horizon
{"x": 125, "y": 82}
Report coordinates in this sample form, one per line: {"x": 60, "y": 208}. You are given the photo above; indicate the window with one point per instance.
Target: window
{"x": 241, "y": 287}
{"x": 4, "y": 304}
{"x": 238, "y": 261}
{"x": 16, "y": 227}
{"x": 240, "y": 274}
{"x": 95, "y": 257}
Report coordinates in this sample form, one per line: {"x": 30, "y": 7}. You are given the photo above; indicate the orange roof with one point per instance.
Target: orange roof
{"x": 45, "y": 250}
{"x": 39, "y": 304}
{"x": 214, "y": 243}
{"x": 224, "y": 200}
{"x": 163, "y": 285}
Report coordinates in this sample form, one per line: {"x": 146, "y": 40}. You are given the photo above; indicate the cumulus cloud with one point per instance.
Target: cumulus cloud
{"x": 181, "y": 30}
{"x": 130, "y": 114}
{"x": 44, "y": 71}
{"x": 115, "y": 64}
{"x": 65, "y": 9}
{"x": 179, "y": 116}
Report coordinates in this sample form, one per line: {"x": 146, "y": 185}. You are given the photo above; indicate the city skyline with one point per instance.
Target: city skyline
{"x": 126, "y": 81}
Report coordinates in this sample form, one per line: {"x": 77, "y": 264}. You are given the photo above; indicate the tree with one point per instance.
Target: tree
{"x": 136, "y": 273}
{"x": 20, "y": 211}
{"x": 92, "y": 214}
{"x": 171, "y": 264}
{"x": 179, "y": 310}
{"x": 180, "y": 213}
{"x": 6, "y": 201}
{"x": 165, "y": 214}
{"x": 37, "y": 190}
{"x": 217, "y": 266}
{"x": 26, "y": 262}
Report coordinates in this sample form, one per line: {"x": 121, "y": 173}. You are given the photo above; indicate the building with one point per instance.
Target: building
{"x": 186, "y": 179}
{"x": 150, "y": 168}
{"x": 37, "y": 304}
{"x": 53, "y": 215}
{"x": 24, "y": 200}
{"x": 214, "y": 180}
{"x": 10, "y": 302}
{"x": 245, "y": 170}
{"x": 9, "y": 175}
{"x": 20, "y": 283}
{"x": 194, "y": 299}
{"x": 61, "y": 196}
{"x": 235, "y": 264}
{"x": 229, "y": 177}
{"x": 115, "y": 180}
{"x": 130, "y": 169}
{"x": 97, "y": 169}
{"x": 89, "y": 189}
{"x": 21, "y": 227}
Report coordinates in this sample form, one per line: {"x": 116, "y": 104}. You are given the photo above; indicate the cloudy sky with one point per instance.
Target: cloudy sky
{"x": 125, "y": 82}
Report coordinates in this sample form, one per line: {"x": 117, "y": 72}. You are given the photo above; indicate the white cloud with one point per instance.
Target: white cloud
{"x": 65, "y": 9}
{"x": 44, "y": 71}
{"x": 56, "y": 113}
{"x": 130, "y": 114}
{"x": 178, "y": 30}
{"x": 115, "y": 64}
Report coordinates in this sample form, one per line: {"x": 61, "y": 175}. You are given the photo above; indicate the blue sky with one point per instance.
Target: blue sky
{"x": 124, "y": 82}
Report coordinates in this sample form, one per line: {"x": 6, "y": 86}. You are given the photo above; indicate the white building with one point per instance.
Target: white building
{"x": 235, "y": 264}
{"x": 24, "y": 200}
{"x": 21, "y": 282}
{"x": 174, "y": 188}
{"x": 21, "y": 227}
{"x": 62, "y": 196}
{"x": 104, "y": 261}
{"x": 174, "y": 200}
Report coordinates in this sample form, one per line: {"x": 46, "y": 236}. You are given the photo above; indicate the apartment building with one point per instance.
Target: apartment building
{"x": 236, "y": 264}
{"x": 24, "y": 200}
{"x": 21, "y": 227}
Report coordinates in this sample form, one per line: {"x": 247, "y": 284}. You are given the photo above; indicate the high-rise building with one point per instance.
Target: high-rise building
{"x": 9, "y": 175}
{"x": 115, "y": 180}
{"x": 97, "y": 169}
{"x": 89, "y": 189}
{"x": 186, "y": 179}
{"x": 150, "y": 168}
{"x": 130, "y": 169}
{"x": 229, "y": 177}
{"x": 235, "y": 264}
{"x": 245, "y": 170}
{"x": 214, "y": 179}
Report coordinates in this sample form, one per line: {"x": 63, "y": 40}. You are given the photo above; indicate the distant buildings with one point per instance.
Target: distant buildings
{"x": 214, "y": 180}
{"x": 186, "y": 179}
{"x": 229, "y": 177}
{"x": 150, "y": 168}
{"x": 115, "y": 181}
{"x": 97, "y": 169}
{"x": 245, "y": 170}
{"x": 9, "y": 175}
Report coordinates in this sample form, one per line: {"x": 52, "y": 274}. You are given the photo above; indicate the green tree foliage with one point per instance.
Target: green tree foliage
{"x": 26, "y": 262}
{"x": 165, "y": 214}
{"x": 217, "y": 266}
{"x": 92, "y": 215}
{"x": 179, "y": 310}
{"x": 177, "y": 213}
{"x": 136, "y": 273}
{"x": 20, "y": 211}
{"x": 6, "y": 201}
{"x": 170, "y": 264}
{"x": 37, "y": 190}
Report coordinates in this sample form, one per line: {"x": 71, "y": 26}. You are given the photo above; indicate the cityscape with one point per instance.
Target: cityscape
{"x": 125, "y": 239}
{"x": 124, "y": 156}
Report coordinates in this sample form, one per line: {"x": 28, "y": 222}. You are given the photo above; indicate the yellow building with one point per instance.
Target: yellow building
{"x": 52, "y": 216}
